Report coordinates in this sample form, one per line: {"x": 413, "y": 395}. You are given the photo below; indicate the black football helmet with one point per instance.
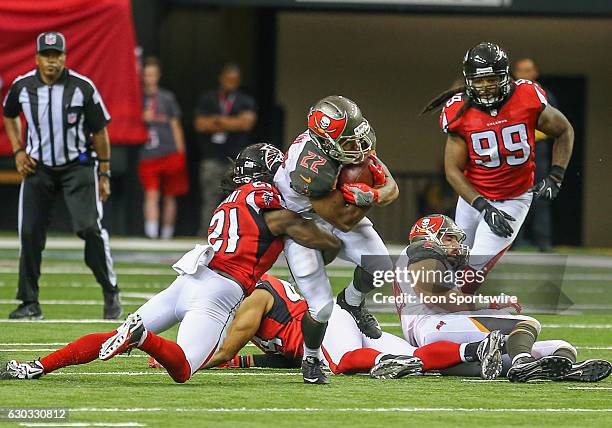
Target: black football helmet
{"x": 257, "y": 162}
{"x": 339, "y": 128}
{"x": 483, "y": 60}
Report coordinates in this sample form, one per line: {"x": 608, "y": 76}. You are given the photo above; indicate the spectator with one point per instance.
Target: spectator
{"x": 224, "y": 118}
{"x": 162, "y": 164}
{"x": 539, "y": 220}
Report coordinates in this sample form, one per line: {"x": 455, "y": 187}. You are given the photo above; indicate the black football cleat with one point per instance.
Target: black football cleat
{"x": 112, "y": 306}
{"x": 396, "y": 366}
{"x": 551, "y": 368}
{"x": 490, "y": 355}
{"x": 129, "y": 335}
{"x": 588, "y": 371}
{"x": 312, "y": 370}
{"x": 362, "y": 316}
{"x": 27, "y": 311}
{"x": 18, "y": 370}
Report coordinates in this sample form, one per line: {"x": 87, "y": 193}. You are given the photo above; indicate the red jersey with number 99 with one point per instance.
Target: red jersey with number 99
{"x": 501, "y": 142}
{"x": 280, "y": 331}
{"x": 244, "y": 246}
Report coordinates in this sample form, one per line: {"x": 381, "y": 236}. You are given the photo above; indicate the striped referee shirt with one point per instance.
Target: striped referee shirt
{"x": 59, "y": 117}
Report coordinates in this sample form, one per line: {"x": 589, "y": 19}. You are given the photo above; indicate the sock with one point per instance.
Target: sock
{"x": 167, "y": 231}
{"x": 439, "y": 355}
{"x": 521, "y": 340}
{"x": 313, "y": 332}
{"x": 567, "y": 353}
{"x": 353, "y": 296}
{"x": 169, "y": 354}
{"x": 469, "y": 352}
{"x": 151, "y": 228}
{"x": 357, "y": 361}
{"x": 83, "y": 350}
{"x": 312, "y": 352}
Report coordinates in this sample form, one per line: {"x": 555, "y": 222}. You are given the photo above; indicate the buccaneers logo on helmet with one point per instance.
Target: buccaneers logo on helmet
{"x": 324, "y": 125}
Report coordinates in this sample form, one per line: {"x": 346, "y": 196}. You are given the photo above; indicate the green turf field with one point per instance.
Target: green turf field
{"x": 125, "y": 391}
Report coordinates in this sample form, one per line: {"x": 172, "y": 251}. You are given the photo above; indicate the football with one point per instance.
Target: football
{"x": 357, "y": 173}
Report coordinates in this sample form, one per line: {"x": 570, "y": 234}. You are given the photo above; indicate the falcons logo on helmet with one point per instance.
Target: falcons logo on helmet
{"x": 272, "y": 156}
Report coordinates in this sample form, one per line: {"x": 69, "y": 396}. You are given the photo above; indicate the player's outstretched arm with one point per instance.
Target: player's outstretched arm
{"x": 303, "y": 231}
{"x": 552, "y": 122}
{"x": 243, "y": 327}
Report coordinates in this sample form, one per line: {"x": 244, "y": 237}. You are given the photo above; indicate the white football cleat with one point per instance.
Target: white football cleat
{"x": 130, "y": 334}
{"x": 30, "y": 370}
{"x": 490, "y": 355}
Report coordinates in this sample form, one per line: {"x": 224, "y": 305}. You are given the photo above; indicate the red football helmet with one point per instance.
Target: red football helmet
{"x": 434, "y": 227}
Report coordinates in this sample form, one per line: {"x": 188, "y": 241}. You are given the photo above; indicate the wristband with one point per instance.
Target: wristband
{"x": 106, "y": 174}
{"x": 103, "y": 160}
{"x": 479, "y": 203}
{"x": 557, "y": 172}
{"x": 20, "y": 149}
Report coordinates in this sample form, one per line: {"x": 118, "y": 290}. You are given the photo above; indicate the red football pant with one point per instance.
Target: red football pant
{"x": 83, "y": 350}
{"x": 439, "y": 355}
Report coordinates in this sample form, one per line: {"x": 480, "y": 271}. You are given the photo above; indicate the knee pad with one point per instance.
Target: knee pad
{"x": 321, "y": 312}
{"x": 531, "y": 326}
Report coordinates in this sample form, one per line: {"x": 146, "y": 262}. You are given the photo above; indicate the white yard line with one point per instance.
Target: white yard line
{"x": 590, "y": 388}
{"x": 82, "y": 424}
{"x": 72, "y": 302}
{"x": 340, "y": 410}
{"x": 576, "y": 326}
{"x": 163, "y": 373}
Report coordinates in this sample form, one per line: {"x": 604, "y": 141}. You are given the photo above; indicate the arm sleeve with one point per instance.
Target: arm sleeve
{"x": 96, "y": 114}
{"x": 11, "y": 104}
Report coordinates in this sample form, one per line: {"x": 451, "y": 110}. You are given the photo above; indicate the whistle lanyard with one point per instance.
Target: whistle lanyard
{"x": 226, "y": 103}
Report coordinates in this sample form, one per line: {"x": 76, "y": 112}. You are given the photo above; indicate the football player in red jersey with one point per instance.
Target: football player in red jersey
{"x": 271, "y": 318}
{"x": 489, "y": 155}
{"x": 245, "y": 239}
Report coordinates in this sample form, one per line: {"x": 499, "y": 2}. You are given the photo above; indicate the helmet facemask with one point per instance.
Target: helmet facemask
{"x": 352, "y": 149}
{"x": 484, "y": 95}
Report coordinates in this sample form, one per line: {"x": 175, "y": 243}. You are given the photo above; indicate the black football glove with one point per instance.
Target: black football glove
{"x": 549, "y": 187}
{"x": 496, "y": 219}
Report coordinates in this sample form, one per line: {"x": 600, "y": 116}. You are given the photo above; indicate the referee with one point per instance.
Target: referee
{"x": 67, "y": 152}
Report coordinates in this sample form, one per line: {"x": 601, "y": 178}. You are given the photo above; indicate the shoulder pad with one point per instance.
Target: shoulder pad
{"x": 532, "y": 92}
{"x": 425, "y": 250}
{"x": 315, "y": 172}
{"x": 263, "y": 196}
{"x": 449, "y": 111}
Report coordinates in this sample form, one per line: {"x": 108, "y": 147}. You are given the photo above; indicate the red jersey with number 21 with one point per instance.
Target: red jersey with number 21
{"x": 501, "y": 147}
{"x": 244, "y": 246}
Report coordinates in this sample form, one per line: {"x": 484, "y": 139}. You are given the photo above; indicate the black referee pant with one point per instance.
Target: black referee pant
{"x": 78, "y": 183}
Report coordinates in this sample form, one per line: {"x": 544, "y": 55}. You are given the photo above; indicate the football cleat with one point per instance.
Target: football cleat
{"x": 31, "y": 370}
{"x": 27, "y": 311}
{"x": 112, "y": 306}
{"x": 362, "y": 316}
{"x": 312, "y": 370}
{"x": 490, "y": 355}
{"x": 551, "y": 367}
{"x": 129, "y": 335}
{"x": 396, "y": 366}
{"x": 588, "y": 371}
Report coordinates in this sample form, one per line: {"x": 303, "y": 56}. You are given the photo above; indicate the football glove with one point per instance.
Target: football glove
{"x": 378, "y": 173}
{"x": 516, "y": 306}
{"x": 359, "y": 194}
{"x": 495, "y": 218}
{"x": 548, "y": 188}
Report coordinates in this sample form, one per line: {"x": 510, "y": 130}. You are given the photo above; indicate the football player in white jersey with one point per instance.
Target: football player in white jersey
{"x": 337, "y": 134}
{"x": 431, "y": 308}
